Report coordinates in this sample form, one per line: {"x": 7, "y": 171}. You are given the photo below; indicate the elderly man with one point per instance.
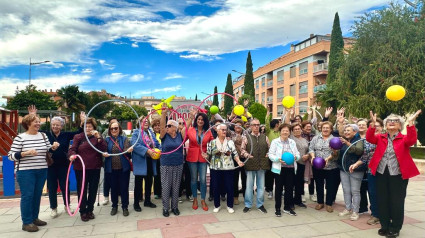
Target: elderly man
{"x": 256, "y": 165}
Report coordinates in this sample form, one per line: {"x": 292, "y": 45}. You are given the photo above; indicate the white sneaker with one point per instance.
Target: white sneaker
{"x": 354, "y": 216}
{"x": 270, "y": 195}
{"x": 230, "y": 210}
{"x": 216, "y": 209}
{"x": 105, "y": 201}
{"x": 344, "y": 213}
{"x": 313, "y": 198}
{"x": 180, "y": 200}
{"x": 303, "y": 198}
{"x": 54, "y": 213}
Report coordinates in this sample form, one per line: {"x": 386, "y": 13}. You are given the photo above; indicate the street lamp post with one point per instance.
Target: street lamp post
{"x": 34, "y": 63}
{"x": 237, "y": 72}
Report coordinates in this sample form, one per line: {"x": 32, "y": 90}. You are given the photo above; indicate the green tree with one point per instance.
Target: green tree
{"x": 31, "y": 96}
{"x": 389, "y": 50}
{"x": 249, "y": 77}
{"x": 196, "y": 97}
{"x": 124, "y": 113}
{"x": 72, "y": 99}
{"x": 228, "y": 101}
{"x": 336, "y": 54}
{"x": 100, "y": 111}
{"x": 244, "y": 97}
{"x": 258, "y": 111}
{"x": 215, "y": 97}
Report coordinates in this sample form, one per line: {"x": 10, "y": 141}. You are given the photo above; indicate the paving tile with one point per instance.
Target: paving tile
{"x": 226, "y": 227}
{"x": 197, "y": 219}
{"x": 10, "y": 227}
{"x": 419, "y": 216}
{"x": 192, "y": 230}
{"x": 269, "y": 233}
{"x": 298, "y": 231}
{"x": 156, "y": 233}
{"x": 332, "y": 227}
{"x": 65, "y": 232}
{"x": 420, "y": 225}
{"x": 115, "y": 228}
{"x": 333, "y": 236}
{"x": 147, "y": 224}
{"x": 6, "y": 218}
{"x": 411, "y": 231}
{"x": 224, "y": 235}
{"x": 23, "y": 234}
{"x": 100, "y": 219}
{"x": 361, "y": 223}
{"x": 4, "y": 210}
{"x": 267, "y": 222}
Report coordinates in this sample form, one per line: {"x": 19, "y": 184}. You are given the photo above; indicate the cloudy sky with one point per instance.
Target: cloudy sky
{"x": 154, "y": 47}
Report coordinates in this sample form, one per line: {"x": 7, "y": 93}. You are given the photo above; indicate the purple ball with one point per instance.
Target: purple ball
{"x": 335, "y": 143}
{"x": 319, "y": 163}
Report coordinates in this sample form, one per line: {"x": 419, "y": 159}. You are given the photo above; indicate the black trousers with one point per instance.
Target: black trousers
{"x": 363, "y": 195}
{"x": 56, "y": 174}
{"x": 332, "y": 179}
{"x": 391, "y": 193}
{"x": 90, "y": 189}
{"x": 269, "y": 180}
{"x": 222, "y": 182}
{"x": 299, "y": 183}
{"x": 157, "y": 180}
{"x": 311, "y": 186}
{"x": 185, "y": 182}
{"x": 119, "y": 181}
{"x": 239, "y": 171}
{"x": 285, "y": 178}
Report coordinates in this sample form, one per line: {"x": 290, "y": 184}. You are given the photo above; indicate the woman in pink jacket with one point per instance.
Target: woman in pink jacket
{"x": 392, "y": 165}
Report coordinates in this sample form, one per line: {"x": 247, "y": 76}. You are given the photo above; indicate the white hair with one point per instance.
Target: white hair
{"x": 60, "y": 119}
{"x": 174, "y": 123}
{"x": 354, "y": 126}
{"x": 391, "y": 116}
{"x": 221, "y": 125}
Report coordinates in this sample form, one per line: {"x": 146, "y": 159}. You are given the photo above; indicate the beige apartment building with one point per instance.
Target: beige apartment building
{"x": 300, "y": 73}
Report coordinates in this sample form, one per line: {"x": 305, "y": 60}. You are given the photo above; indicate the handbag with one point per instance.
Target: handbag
{"x": 49, "y": 156}
{"x": 129, "y": 161}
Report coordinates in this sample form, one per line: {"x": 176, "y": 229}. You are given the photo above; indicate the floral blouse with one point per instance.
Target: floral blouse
{"x": 221, "y": 155}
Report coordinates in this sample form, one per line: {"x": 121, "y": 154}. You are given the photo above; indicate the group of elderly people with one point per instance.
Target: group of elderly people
{"x": 371, "y": 149}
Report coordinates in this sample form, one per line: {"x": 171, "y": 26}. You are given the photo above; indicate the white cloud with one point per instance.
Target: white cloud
{"x": 173, "y": 76}
{"x": 157, "y": 90}
{"x": 105, "y": 65}
{"x": 87, "y": 71}
{"x": 54, "y": 82}
{"x": 62, "y": 31}
{"x": 134, "y": 45}
{"x": 199, "y": 57}
{"x": 137, "y": 78}
{"x": 112, "y": 78}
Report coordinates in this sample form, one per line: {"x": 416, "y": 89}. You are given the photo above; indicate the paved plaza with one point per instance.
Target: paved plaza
{"x": 151, "y": 224}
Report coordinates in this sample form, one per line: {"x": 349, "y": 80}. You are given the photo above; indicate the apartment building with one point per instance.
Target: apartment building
{"x": 300, "y": 73}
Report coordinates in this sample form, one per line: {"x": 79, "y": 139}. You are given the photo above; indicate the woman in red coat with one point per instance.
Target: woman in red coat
{"x": 198, "y": 135}
{"x": 392, "y": 165}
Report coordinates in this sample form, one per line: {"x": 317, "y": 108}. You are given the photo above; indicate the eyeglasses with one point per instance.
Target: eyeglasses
{"x": 114, "y": 128}
{"x": 255, "y": 124}
{"x": 181, "y": 123}
{"x": 169, "y": 126}
{"x": 393, "y": 120}
{"x": 223, "y": 129}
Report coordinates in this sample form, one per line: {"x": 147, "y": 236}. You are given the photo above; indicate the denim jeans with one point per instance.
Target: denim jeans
{"x": 372, "y": 194}
{"x": 351, "y": 183}
{"x": 195, "y": 168}
{"x": 259, "y": 175}
{"x": 55, "y": 175}
{"x": 31, "y": 183}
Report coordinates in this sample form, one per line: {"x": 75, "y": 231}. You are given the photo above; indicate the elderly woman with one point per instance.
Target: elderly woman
{"x": 29, "y": 151}
{"x": 58, "y": 170}
{"x": 198, "y": 136}
{"x": 144, "y": 166}
{"x": 222, "y": 152}
{"x": 284, "y": 173}
{"x": 351, "y": 170}
{"x": 93, "y": 163}
{"x": 117, "y": 168}
{"x": 171, "y": 164}
{"x": 319, "y": 147}
{"x": 392, "y": 165}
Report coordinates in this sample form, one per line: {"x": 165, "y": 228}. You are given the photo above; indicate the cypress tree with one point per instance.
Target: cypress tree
{"x": 215, "y": 99}
{"x": 249, "y": 78}
{"x": 196, "y": 97}
{"x": 228, "y": 101}
{"x": 336, "y": 55}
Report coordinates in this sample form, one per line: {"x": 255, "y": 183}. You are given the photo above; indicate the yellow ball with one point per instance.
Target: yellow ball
{"x": 239, "y": 110}
{"x": 395, "y": 93}
{"x": 157, "y": 153}
{"x": 288, "y": 101}
{"x": 244, "y": 118}
{"x": 249, "y": 114}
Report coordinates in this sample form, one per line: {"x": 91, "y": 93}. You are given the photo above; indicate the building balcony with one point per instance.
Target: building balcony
{"x": 319, "y": 88}
{"x": 270, "y": 84}
{"x": 280, "y": 82}
{"x": 320, "y": 69}
{"x": 270, "y": 100}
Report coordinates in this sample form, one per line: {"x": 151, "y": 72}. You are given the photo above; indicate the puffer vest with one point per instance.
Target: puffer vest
{"x": 259, "y": 151}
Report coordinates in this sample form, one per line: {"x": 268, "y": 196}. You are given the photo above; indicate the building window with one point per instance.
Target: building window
{"x": 263, "y": 98}
{"x": 257, "y": 84}
{"x": 280, "y": 75}
{"x": 303, "y": 107}
{"x": 303, "y": 67}
{"x": 292, "y": 71}
{"x": 263, "y": 81}
{"x": 279, "y": 110}
{"x": 256, "y": 97}
{"x": 303, "y": 87}
{"x": 242, "y": 90}
{"x": 292, "y": 90}
{"x": 280, "y": 92}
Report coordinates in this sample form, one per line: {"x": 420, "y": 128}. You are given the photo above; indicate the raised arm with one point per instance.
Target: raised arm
{"x": 162, "y": 124}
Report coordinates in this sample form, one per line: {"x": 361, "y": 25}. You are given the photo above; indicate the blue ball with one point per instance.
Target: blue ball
{"x": 288, "y": 158}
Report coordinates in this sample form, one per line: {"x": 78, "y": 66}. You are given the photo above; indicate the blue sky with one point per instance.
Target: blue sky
{"x": 154, "y": 47}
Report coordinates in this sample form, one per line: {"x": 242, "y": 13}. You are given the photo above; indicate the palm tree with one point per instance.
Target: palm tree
{"x": 72, "y": 99}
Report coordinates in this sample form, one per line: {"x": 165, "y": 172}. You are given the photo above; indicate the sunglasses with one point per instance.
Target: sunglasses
{"x": 255, "y": 124}
{"x": 393, "y": 120}
{"x": 181, "y": 123}
{"x": 114, "y": 128}
{"x": 169, "y": 126}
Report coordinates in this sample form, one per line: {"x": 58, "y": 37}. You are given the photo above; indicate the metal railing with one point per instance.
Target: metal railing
{"x": 320, "y": 67}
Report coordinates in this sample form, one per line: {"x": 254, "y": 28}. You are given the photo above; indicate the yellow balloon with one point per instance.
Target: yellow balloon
{"x": 244, "y": 118}
{"x": 249, "y": 114}
{"x": 395, "y": 93}
{"x": 288, "y": 101}
{"x": 239, "y": 110}
{"x": 157, "y": 153}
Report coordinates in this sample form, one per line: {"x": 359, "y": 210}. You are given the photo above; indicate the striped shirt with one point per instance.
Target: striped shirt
{"x": 24, "y": 142}
{"x": 389, "y": 159}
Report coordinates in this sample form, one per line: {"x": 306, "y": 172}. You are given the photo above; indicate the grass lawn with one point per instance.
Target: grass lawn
{"x": 417, "y": 152}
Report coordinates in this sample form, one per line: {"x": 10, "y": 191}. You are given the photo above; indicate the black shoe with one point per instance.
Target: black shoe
{"x": 210, "y": 199}
{"x": 246, "y": 209}
{"x": 382, "y": 232}
{"x": 90, "y": 215}
{"x": 262, "y": 209}
{"x": 278, "y": 213}
{"x": 393, "y": 234}
{"x": 137, "y": 208}
{"x": 290, "y": 212}
{"x": 125, "y": 212}
{"x": 293, "y": 207}
{"x": 176, "y": 211}
{"x": 149, "y": 204}
{"x": 114, "y": 211}
{"x": 302, "y": 205}
{"x": 165, "y": 213}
